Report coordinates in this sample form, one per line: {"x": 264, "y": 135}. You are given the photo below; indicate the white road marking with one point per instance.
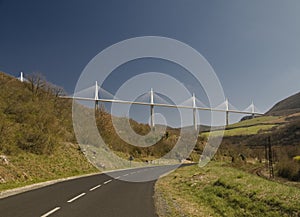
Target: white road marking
{"x": 94, "y": 188}
{"x": 107, "y": 182}
{"x": 75, "y": 198}
{"x": 117, "y": 177}
{"x": 133, "y": 173}
{"x": 50, "y": 212}
{"x": 126, "y": 175}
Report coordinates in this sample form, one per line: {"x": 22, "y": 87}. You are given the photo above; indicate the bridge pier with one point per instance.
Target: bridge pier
{"x": 152, "y": 117}
{"x": 194, "y": 113}
{"x": 227, "y": 111}
{"x": 195, "y": 119}
{"x": 227, "y": 118}
{"x": 96, "y": 105}
{"x": 252, "y": 109}
{"x": 96, "y": 96}
{"x": 152, "y": 109}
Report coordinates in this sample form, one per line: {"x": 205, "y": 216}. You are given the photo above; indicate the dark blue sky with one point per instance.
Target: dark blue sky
{"x": 254, "y": 46}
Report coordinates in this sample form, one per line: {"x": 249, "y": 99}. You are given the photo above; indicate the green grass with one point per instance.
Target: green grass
{"x": 27, "y": 168}
{"x": 220, "y": 190}
{"x": 242, "y": 131}
{"x": 255, "y": 121}
{"x": 247, "y": 127}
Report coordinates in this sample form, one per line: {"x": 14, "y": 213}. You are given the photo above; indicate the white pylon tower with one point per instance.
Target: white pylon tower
{"x": 152, "y": 108}
{"x": 21, "y": 77}
{"x": 252, "y": 109}
{"x": 227, "y": 111}
{"x": 194, "y": 112}
{"x": 96, "y": 96}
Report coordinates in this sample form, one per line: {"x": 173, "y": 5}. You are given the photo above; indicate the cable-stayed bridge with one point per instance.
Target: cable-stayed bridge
{"x": 152, "y": 99}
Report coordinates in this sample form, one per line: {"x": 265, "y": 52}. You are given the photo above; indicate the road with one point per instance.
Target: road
{"x": 101, "y": 195}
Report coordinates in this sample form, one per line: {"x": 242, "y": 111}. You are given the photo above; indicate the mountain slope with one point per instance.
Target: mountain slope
{"x": 287, "y": 106}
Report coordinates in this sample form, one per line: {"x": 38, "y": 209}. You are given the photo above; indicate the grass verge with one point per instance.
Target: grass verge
{"x": 220, "y": 190}
{"x": 27, "y": 168}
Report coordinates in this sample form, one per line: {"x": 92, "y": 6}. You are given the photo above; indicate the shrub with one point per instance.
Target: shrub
{"x": 296, "y": 158}
{"x": 289, "y": 169}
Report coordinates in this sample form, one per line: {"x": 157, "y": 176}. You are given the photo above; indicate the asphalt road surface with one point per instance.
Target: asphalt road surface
{"x": 99, "y": 195}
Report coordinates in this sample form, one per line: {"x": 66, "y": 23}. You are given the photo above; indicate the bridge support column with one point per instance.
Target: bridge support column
{"x": 194, "y": 113}
{"x": 96, "y": 96}
{"x": 96, "y": 105}
{"x": 227, "y": 111}
{"x": 152, "y": 117}
{"x": 227, "y": 118}
{"x": 195, "y": 119}
{"x": 252, "y": 109}
{"x": 152, "y": 109}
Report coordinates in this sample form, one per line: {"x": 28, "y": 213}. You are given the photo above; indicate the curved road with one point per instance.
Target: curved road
{"x": 102, "y": 195}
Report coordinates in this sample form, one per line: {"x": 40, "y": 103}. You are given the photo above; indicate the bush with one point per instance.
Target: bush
{"x": 289, "y": 169}
{"x": 297, "y": 158}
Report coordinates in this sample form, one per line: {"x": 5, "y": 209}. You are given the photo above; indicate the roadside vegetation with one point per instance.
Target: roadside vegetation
{"x": 27, "y": 168}
{"x": 245, "y": 142}
{"x": 37, "y": 142}
{"x": 236, "y": 182}
{"x": 221, "y": 190}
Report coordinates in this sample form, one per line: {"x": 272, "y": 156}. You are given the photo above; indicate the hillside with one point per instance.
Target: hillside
{"x": 32, "y": 116}
{"x": 37, "y": 140}
{"x": 236, "y": 182}
{"x": 287, "y": 106}
{"x": 245, "y": 141}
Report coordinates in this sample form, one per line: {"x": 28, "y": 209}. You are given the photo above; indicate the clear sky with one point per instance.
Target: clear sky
{"x": 253, "y": 46}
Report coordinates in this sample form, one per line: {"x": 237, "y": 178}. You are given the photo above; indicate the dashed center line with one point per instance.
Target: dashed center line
{"x": 91, "y": 189}
{"x": 75, "y": 198}
{"x": 94, "y": 188}
{"x": 107, "y": 182}
{"x": 50, "y": 212}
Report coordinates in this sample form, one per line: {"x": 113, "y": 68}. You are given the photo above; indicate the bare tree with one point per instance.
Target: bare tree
{"x": 37, "y": 82}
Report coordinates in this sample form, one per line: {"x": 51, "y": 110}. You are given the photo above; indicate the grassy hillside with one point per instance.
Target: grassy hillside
{"x": 36, "y": 134}
{"x": 229, "y": 185}
{"x": 32, "y": 117}
{"x": 27, "y": 168}
{"x": 245, "y": 141}
{"x": 220, "y": 190}
{"x": 287, "y": 106}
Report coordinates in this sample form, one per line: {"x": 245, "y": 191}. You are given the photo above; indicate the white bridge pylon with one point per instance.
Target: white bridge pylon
{"x": 97, "y": 94}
